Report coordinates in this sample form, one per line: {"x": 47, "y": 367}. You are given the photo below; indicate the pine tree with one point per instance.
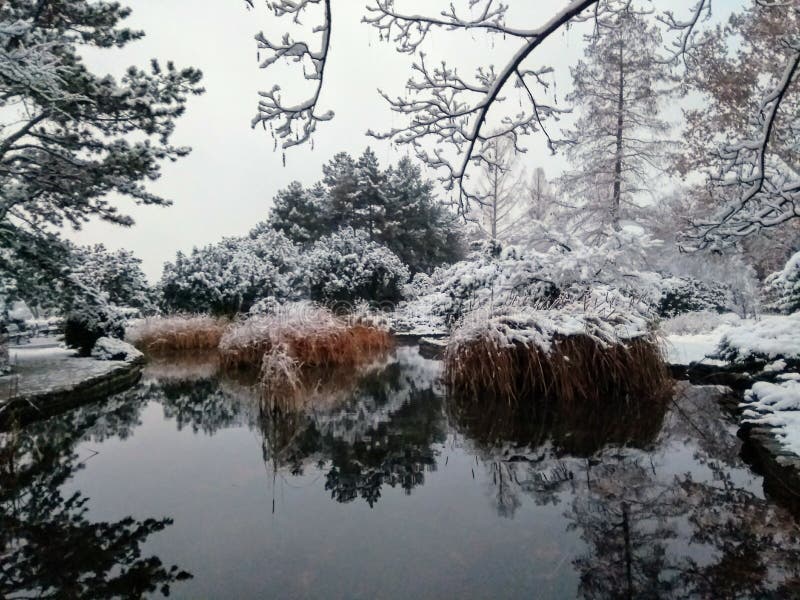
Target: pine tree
{"x": 618, "y": 137}
{"x": 340, "y": 180}
{"x": 368, "y": 198}
{"x": 299, "y": 213}
{"x": 78, "y": 138}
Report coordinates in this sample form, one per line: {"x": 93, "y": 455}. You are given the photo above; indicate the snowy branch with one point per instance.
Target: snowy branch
{"x": 767, "y": 193}
{"x": 294, "y": 123}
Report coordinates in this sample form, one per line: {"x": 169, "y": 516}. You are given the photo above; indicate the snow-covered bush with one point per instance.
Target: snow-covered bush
{"x": 497, "y": 277}
{"x": 116, "y": 274}
{"x": 783, "y": 288}
{"x": 754, "y": 345}
{"x": 89, "y": 319}
{"x": 347, "y": 265}
{"x": 491, "y": 278}
{"x": 776, "y": 405}
{"x": 681, "y": 295}
{"x": 420, "y": 284}
{"x": 107, "y": 348}
{"x": 230, "y": 276}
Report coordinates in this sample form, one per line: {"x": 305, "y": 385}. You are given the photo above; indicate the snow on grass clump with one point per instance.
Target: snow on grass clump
{"x": 307, "y": 333}
{"x": 598, "y": 347}
{"x": 773, "y": 337}
{"x": 177, "y": 332}
{"x": 776, "y": 405}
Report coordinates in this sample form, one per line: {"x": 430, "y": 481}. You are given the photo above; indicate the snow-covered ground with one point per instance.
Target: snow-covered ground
{"x": 692, "y": 337}
{"x": 48, "y": 367}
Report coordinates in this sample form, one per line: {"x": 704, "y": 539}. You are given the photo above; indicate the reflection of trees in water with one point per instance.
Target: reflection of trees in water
{"x": 382, "y": 432}
{"x": 49, "y": 547}
{"x": 648, "y": 532}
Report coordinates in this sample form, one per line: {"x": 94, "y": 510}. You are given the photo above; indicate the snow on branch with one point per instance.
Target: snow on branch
{"x": 294, "y": 123}
{"x": 445, "y": 112}
{"x": 766, "y": 191}
{"x": 444, "y": 109}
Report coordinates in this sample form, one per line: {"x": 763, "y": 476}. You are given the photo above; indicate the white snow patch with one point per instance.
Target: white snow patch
{"x": 776, "y": 405}
{"x": 107, "y": 348}
{"x": 773, "y": 337}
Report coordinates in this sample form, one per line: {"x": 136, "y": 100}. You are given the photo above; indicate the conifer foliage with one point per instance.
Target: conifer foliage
{"x": 395, "y": 207}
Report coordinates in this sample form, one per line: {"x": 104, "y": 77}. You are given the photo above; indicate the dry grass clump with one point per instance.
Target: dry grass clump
{"x": 178, "y": 333}
{"x": 575, "y": 369}
{"x": 312, "y": 337}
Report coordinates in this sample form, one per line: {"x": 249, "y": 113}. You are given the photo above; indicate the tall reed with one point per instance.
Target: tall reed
{"x": 177, "y": 333}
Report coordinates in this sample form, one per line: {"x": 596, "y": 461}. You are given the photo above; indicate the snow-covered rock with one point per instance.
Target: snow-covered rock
{"x": 776, "y": 405}
{"x": 107, "y": 348}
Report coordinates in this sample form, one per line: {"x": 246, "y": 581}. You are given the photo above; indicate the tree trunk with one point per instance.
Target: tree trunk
{"x": 616, "y": 197}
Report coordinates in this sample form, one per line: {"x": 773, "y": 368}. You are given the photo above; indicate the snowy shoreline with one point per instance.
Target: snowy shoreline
{"x": 51, "y": 379}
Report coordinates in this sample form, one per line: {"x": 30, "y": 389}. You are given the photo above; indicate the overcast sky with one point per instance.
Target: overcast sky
{"x": 228, "y": 181}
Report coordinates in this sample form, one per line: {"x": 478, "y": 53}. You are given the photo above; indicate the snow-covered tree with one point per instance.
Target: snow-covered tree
{"x": 70, "y": 139}
{"x": 618, "y": 141}
{"x": 299, "y": 213}
{"x": 745, "y": 135}
{"x": 783, "y": 287}
{"x": 230, "y": 276}
{"x": 118, "y": 275}
{"x": 502, "y": 193}
{"x": 395, "y": 206}
{"x": 346, "y": 266}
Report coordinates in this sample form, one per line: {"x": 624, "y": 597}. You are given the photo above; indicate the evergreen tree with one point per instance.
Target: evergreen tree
{"x": 395, "y": 207}
{"x": 340, "y": 180}
{"x": 299, "y": 213}
{"x": 77, "y": 137}
{"x": 418, "y": 228}
{"x": 368, "y": 198}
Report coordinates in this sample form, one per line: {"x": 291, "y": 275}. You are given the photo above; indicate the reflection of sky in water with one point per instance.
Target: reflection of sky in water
{"x": 423, "y": 508}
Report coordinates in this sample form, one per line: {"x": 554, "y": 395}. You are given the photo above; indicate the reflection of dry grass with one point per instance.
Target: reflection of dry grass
{"x": 185, "y": 366}
{"x": 577, "y": 369}
{"x": 178, "y": 332}
{"x": 581, "y": 429}
{"x": 286, "y": 387}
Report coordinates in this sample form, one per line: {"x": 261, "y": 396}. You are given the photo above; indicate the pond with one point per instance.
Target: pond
{"x": 383, "y": 487}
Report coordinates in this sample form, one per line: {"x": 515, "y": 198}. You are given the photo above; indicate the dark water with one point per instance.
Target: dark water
{"x": 384, "y": 489}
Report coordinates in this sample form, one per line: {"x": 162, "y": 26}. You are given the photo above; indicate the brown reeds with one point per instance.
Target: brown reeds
{"x": 576, "y": 369}
{"x": 177, "y": 333}
{"x": 328, "y": 344}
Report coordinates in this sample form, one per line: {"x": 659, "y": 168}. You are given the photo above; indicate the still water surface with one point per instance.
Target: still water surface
{"x": 384, "y": 489}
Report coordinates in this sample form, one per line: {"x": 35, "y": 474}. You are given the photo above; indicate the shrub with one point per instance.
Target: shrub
{"x": 229, "y": 277}
{"x": 88, "y": 320}
{"x": 178, "y": 332}
{"x": 783, "y": 288}
{"x": 681, "y": 295}
{"x": 346, "y": 266}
